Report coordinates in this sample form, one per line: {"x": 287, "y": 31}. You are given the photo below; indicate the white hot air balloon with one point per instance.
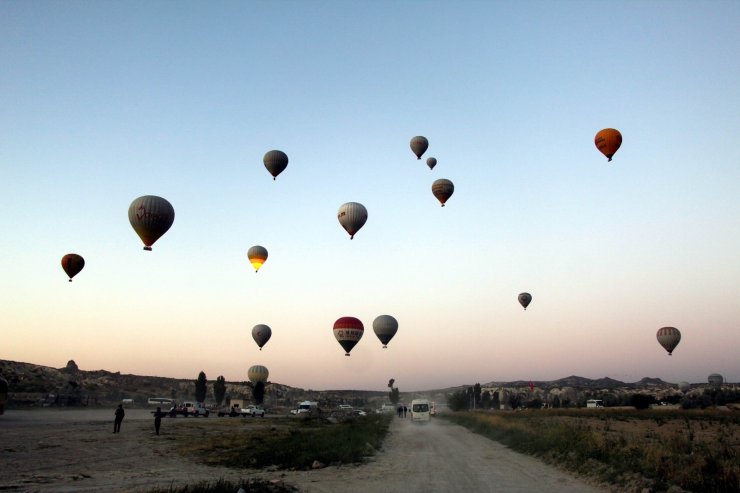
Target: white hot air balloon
{"x": 352, "y": 216}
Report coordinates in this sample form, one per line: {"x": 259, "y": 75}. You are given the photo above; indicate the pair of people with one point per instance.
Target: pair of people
{"x": 120, "y": 413}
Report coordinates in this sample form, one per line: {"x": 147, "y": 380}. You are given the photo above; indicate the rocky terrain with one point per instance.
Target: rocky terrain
{"x": 32, "y": 385}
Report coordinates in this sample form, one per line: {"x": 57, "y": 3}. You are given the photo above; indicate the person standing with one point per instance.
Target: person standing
{"x": 158, "y": 415}
{"x": 120, "y": 413}
{"x": 405, "y": 410}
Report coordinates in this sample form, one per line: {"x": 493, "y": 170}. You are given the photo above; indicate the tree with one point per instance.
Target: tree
{"x": 219, "y": 390}
{"x": 641, "y": 401}
{"x": 201, "y": 385}
{"x": 393, "y": 395}
{"x": 485, "y": 400}
{"x": 476, "y": 394}
{"x": 258, "y": 392}
{"x": 496, "y": 401}
{"x": 459, "y": 400}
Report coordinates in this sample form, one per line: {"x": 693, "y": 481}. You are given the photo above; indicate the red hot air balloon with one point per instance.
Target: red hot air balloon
{"x": 348, "y": 332}
{"x": 72, "y": 264}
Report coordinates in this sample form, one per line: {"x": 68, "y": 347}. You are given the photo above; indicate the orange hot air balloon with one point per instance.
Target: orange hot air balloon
{"x": 72, "y": 264}
{"x": 608, "y": 141}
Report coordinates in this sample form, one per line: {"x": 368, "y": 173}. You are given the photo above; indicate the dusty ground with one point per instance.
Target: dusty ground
{"x": 75, "y": 450}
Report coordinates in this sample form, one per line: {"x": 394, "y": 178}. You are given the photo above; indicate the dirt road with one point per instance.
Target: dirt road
{"x": 441, "y": 457}
{"x": 71, "y": 450}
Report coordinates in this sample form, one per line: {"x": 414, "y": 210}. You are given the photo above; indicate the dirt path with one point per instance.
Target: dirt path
{"x": 440, "y": 457}
{"x": 75, "y": 450}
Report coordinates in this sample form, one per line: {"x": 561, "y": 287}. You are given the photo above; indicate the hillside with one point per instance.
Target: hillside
{"x": 33, "y": 384}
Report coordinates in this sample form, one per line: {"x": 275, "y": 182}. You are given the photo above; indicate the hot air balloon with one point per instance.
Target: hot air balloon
{"x": 261, "y": 333}
{"x": 72, "y": 264}
{"x": 352, "y": 216}
{"x": 684, "y": 386}
{"x": 669, "y": 337}
{"x": 275, "y": 162}
{"x": 151, "y": 217}
{"x": 443, "y": 190}
{"x": 715, "y": 380}
{"x": 525, "y": 299}
{"x": 257, "y": 373}
{"x": 608, "y": 141}
{"x": 431, "y": 162}
{"x": 257, "y": 256}
{"x": 385, "y": 327}
{"x": 348, "y": 331}
{"x": 419, "y": 145}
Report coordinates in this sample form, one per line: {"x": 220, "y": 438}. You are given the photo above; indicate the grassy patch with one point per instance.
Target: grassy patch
{"x": 290, "y": 444}
{"x": 697, "y": 451}
{"x": 224, "y": 486}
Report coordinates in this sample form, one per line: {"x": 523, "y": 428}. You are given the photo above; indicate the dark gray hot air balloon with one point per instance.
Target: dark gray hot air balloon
{"x": 275, "y": 162}
{"x": 431, "y": 162}
{"x": 669, "y": 337}
{"x": 261, "y": 333}
{"x": 72, "y": 264}
{"x": 525, "y": 299}
{"x": 385, "y": 327}
{"x": 151, "y": 217}
{"x": 419, "y": 145}
{"x": 348, "y": 332}
{"x": 352, "y": 216}
{"x": 443, "y": 190}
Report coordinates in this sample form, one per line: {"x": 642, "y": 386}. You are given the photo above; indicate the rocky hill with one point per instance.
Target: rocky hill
{"x": 35, "y": 384}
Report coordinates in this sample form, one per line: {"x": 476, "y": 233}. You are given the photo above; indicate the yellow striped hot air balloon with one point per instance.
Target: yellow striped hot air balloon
{"x": 257, "y": 256}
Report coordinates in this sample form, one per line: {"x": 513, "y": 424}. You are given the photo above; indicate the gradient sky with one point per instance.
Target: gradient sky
{"x": 102, "y": 102}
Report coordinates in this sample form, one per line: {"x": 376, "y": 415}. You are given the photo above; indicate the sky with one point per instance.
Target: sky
{"x": 103, "y": 102}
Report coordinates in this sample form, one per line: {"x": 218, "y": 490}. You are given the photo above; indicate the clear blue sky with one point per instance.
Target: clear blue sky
{"x": 105, "y": 101}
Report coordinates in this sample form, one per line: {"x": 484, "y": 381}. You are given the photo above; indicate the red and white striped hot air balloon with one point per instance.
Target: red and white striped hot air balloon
{"x": 669, "y": 337}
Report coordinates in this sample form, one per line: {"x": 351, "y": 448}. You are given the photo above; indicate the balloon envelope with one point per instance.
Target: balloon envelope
{"x": 419, "y": 145}
{"x": 258, "y": 373}
{"x": 151, "y": 217}
{"x": 261, "y": 333}
{"x": 608, "y": 141}
{"x": 257, "y": 256}
{"x": 669, "y": 337}
{"x": 275, "y": 162}
{"x": 385, "y": 327}
{"x": 432, "y": 162}
{"x": 525, "y": 299}
{"x": 348, "y": 332}
{"x": 352, "y": 216}
{"x": 72, "y": 264}
{"x": 443, "y": 190}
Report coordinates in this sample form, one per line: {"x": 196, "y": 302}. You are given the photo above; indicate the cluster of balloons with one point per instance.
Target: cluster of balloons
{"x": 152, "y": 216}
{"x": 348, "y": 331}
{"x": 443, "y": 188}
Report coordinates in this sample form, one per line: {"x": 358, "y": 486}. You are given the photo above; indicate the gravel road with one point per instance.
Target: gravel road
{"x": 75, "y": 450}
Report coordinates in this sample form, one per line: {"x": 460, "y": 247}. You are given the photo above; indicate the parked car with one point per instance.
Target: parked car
{"x": 233, "y": 412}
{"x": 196, "y": 409}
{"x": 188, "y": 409}
{"x": 253, "y": 411}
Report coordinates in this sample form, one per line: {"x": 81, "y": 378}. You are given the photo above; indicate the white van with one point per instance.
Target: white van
{"x": 307, "y": 407}
{"x": 420, "y": 410}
